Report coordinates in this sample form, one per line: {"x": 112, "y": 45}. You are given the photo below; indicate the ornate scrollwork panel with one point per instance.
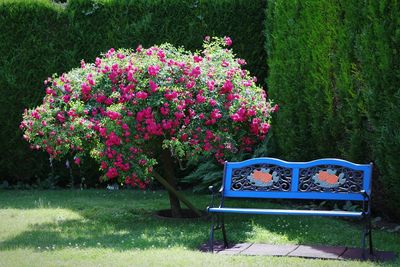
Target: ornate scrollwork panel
{"x": 330, "y": 178}
{"x": 262, "y": 177}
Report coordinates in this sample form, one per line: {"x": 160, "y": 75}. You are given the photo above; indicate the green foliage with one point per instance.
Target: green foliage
{"x": 334, "y": 70}
{"x": 39, "y": 38}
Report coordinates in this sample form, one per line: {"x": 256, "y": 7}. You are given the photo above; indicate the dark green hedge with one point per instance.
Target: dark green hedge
{"x": 334, "y": 68}
{"x": 39, "y": 38}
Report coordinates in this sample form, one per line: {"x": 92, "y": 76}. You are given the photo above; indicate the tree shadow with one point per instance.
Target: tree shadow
{"x": 125, "y": 221}
{"x": 119, "y": 221}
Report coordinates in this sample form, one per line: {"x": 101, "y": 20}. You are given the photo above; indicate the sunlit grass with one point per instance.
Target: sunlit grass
{"x": 96, "y": 227}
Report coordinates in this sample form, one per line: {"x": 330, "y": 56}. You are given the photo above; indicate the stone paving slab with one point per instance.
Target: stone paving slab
{"x": 269, "y": 250}
{"x": 235, "y": 249}
{"x": 356, "y": 254}
{"x": 323, "y": 252}
{"x": 320, "y": 252}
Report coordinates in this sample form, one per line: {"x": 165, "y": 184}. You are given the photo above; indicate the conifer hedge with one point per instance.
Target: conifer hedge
{"x": 334, "y": 69}
{"x": 39, "y": 38}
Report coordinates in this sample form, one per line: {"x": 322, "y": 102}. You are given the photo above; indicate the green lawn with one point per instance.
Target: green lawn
{"x": 100, "y": 228}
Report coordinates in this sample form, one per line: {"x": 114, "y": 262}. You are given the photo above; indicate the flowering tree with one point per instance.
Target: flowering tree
{"x": 133, "y": 109}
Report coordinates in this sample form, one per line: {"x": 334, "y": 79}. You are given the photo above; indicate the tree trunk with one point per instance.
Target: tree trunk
{"x": 169, "y": 174}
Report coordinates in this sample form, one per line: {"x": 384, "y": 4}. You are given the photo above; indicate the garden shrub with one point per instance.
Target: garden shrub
{"x": 128, "y": 106}
{"x": 334, "y": 70}
{"x": 39, "y": 38}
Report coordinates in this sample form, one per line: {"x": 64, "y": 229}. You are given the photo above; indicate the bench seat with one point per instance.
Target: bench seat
{"x": 288, "y": 212}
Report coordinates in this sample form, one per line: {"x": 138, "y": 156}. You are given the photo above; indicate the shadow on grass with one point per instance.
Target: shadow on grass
{"x": 117, "y": 220}
{"x": 125, "y": 221}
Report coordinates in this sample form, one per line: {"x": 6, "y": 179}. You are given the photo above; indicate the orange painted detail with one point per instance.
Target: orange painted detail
{"x": 329, "y": 178}
{"x": 262, "y": 176}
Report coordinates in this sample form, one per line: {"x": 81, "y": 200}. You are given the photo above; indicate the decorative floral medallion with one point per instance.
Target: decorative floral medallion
{"x": 329, "y": 178}
{"x": 263, "y": 177}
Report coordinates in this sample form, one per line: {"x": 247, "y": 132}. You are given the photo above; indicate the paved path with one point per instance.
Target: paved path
{"x": 321, "y": 252}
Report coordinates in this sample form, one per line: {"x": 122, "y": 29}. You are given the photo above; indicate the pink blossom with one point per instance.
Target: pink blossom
{"x": 85, "y": 88}
{"x": 49, "y": 91}
{"x": 141, "y": 95}
{"x": 216, "y": 114}
{"x": 190, "y": 84}
{"x": 171, "y": 96}
{"x": 227, "y": 87}
{"x": 200, "y": 99}
{"x": 153, "y": 70}
{"x": 197, "y": 59}
{"x": 164, "y": 111}
{"x": 60, "y": 117}
{"x": 264, "y": 127}
{"x": 112, "y": 173}
{"x": 210, "y": 85}
{"x": 224, "y": 63}
{"x": 114, "y": 115}
{"x": 153, "y": 86}
{"x": 66, "y": 98}
{"x": 241, "y": 61}
{"x": 228, "y": 41}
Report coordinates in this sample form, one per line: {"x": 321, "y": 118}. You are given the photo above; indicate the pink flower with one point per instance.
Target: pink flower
{"x": 200, "y": 99}
{"x": 141, "y": 95}
{"x": 190, "y": 84}
{"x": 85, "y": 89}
{"x": 66, "y": 98}
{"x": 113, "y": 115}
{"x": 77, "y": 161}
{"x": 164, "y": 111}
{"x": 264, "y": 128}
{"x": 227, "y": 87}
{"x": 210, "y": 85}
{"x": 112, "y": 173}
{"x": 153, "y": 86}
{"x": 197, "y": 59}
{"x": 228, "y": 41}
{"x": 49, "y": 91}
{"x": 153, "y": 70}
{"x": 224, "y": 63}
{"x": 103, "y": 165}
{"x": 241, "y": 61}
{"x": 216, "y": 114}
{"x": 60, "y": 117}
{"x": 171, "y": 96}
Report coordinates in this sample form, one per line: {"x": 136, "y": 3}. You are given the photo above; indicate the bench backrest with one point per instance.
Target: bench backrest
{"x": 331, "y": 179}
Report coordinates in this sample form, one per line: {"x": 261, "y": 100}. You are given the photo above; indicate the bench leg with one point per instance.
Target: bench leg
{"x": 223, "y": 231}
{"x": 367, "y": 231}
{"x": 211, "y": 241}
{"x": 371, "y": 250}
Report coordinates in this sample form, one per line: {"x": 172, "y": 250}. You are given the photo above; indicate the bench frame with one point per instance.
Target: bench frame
{"x": 295, "y": 180}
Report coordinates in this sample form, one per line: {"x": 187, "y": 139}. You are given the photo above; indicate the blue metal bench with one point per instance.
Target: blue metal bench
{"x": 270, "y": 178}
